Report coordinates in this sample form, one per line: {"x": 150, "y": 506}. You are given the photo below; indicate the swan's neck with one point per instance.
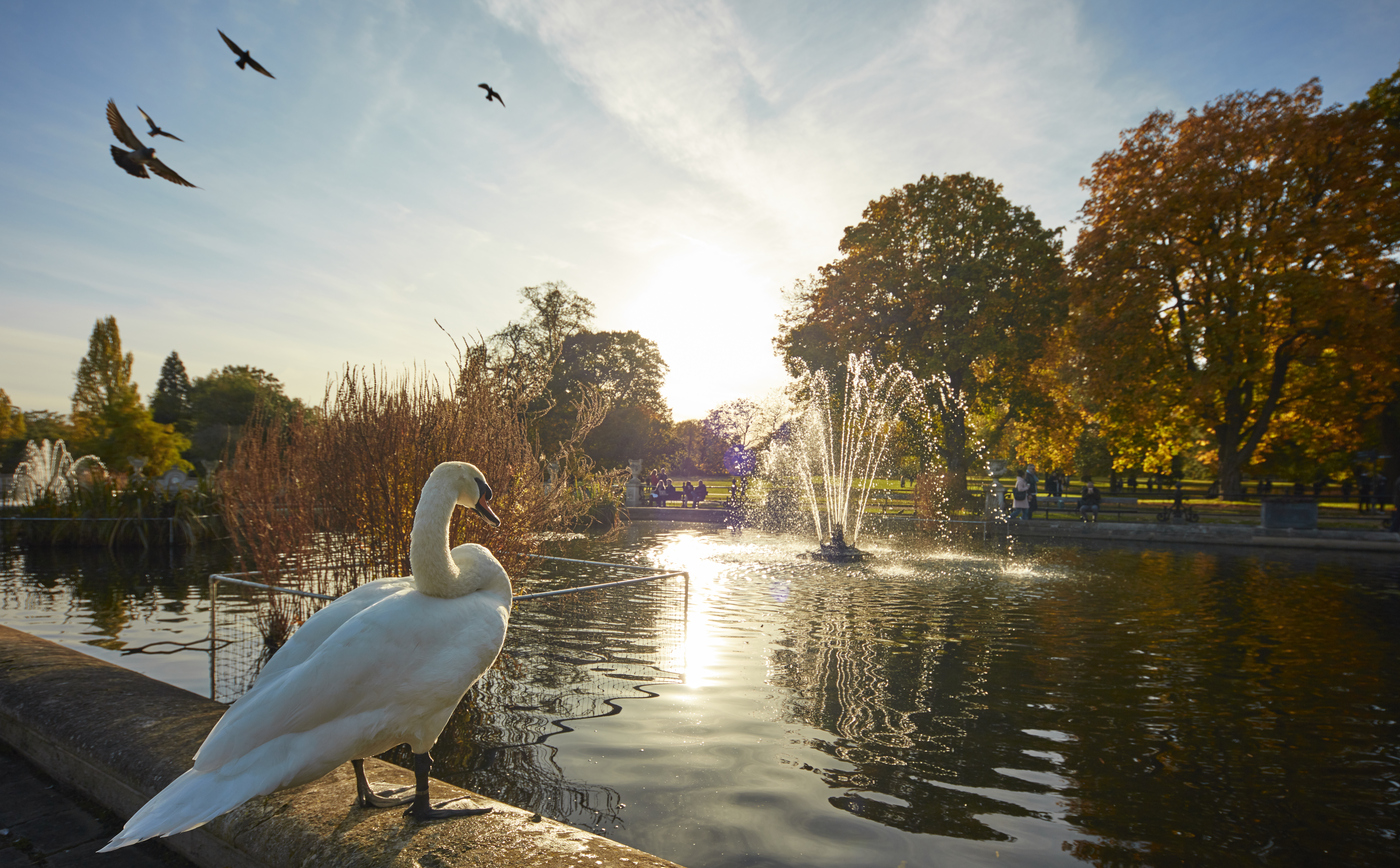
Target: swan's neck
{"x": 434, "y": 573}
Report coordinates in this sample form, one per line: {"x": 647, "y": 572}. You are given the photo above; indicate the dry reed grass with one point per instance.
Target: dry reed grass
{"x": 327, "y": 502}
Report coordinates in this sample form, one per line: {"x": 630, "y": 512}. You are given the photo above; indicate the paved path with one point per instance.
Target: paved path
{"x": 42, "y": 823}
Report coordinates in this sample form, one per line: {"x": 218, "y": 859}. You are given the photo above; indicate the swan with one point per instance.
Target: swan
{"x": 383, "y": 665}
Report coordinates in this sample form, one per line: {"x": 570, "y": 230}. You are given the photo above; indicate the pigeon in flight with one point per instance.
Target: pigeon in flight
{"x": 155, "y": 130}
{"x": 245, "y": 59}
{"x": 491, "y": 94}
{"x": 140, "y": 157}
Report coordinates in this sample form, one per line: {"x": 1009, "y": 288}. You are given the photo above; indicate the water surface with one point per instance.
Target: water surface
{"x": 1042, "y": 705}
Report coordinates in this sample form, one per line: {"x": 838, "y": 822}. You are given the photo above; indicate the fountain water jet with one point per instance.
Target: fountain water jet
{"x": 836, "y": 445}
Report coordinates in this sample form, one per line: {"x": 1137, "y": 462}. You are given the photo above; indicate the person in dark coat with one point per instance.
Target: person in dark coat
{"x": 1089, "y": 500}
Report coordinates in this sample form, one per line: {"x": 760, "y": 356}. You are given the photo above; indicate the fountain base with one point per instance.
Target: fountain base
{"x": 838, "y": 554}
{"x": 837, "y": 551}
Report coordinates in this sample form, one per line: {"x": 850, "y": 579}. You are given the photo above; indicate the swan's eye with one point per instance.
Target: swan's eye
{"x": 484, "y": 490}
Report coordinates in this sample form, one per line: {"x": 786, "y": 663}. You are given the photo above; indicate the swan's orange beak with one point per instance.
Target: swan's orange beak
{"x": 482, "y": 508}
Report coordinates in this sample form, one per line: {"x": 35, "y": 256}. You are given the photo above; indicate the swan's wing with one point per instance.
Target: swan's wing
{"x": 394, "y": 670}
{"x": 166, "y": 172}
{"x": 120, "y": 129}
{"x": 309, "y": 636}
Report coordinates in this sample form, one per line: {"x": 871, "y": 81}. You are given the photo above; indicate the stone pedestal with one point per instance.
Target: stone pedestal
{"x": 1291, "y": 513}
{"x": 633, "y": 496}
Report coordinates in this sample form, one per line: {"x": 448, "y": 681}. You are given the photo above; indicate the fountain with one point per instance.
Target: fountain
{"x": 835, "y": 446}
{"x": 49, "y": 471}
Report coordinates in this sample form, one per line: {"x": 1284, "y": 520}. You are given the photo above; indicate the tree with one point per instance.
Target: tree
{"x": 109, "y": 419}
{"x": 696, "y": 448}
{"x": 1236, "y": 278}
{"x": 222, "y": 402}
{"x": 11, "y": 419}
{"x": 1384, "y": 98}
{"x": 12, "y": 433}
{"x": 950, "y": 280}
{"x": 524, "y": 353}
{"x": 626, "y": 372}
{"x": 170, "y": 405}
{"x": 228, "y": 396}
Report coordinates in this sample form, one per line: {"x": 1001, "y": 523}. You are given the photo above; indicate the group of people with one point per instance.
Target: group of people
{"x": 1025, "y": 492}
{"x": 1374, "y": 493}
{"x": 663, "y": 490}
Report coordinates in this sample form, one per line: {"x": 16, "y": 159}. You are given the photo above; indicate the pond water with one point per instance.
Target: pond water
{"x": 1037, "y": 705}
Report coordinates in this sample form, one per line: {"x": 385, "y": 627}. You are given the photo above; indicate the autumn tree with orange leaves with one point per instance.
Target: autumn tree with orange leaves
{"x": 1235, "y": 283}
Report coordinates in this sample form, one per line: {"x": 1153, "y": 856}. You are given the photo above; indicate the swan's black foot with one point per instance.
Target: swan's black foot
{"x": 422, "y": 809}
{"x": 367, "y": 797}
{"x": 427, "y": 811}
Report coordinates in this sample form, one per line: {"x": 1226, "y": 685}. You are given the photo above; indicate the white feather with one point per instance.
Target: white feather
{"x": 386, "y": 664}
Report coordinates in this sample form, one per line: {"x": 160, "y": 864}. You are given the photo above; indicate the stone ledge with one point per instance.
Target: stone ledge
{"x": 119, "y": 737}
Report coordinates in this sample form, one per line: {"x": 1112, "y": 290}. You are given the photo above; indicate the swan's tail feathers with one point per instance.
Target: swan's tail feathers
{"x": 190, "y": 801}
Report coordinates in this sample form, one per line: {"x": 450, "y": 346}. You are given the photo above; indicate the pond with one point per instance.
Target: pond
{"x": 1032, "y": 705}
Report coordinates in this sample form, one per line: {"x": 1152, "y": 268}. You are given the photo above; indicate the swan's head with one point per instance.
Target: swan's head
{"x": 473, "y": 492}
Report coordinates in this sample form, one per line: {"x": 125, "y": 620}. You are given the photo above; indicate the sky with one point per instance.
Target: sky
{"x": 681, "y": 163}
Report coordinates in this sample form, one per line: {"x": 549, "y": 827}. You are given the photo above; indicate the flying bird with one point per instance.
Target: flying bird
{"x": 155, "y": 130}
{"x": 245, "y": 59}
{"x": 383, "y": 665}
{"x": 140, "y": 157}
{"x": 491, "y": 94}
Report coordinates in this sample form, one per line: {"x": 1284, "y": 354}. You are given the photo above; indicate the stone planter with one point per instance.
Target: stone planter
{"x": 1288, "y": 513}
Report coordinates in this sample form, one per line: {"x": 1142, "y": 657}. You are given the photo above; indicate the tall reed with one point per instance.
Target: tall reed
{"x": 330, "y": 499}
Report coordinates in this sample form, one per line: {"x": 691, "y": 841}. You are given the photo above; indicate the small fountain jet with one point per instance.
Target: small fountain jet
{"x": 155, "y": 130}
{"x": 491, "y": 94}
{"x": 245, "y": 59}
{"x": 140, "y": 157}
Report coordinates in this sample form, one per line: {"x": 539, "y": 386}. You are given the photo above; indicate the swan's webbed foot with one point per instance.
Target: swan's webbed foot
{"x": 427, "y": 812}
{"x": 422, "y": 809}
{"x": 366, "y": 797}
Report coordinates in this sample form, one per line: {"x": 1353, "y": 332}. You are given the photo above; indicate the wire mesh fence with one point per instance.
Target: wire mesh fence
{"x": 597, "y": 631}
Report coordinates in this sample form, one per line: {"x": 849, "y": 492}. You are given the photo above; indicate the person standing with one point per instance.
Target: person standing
{"x": 1033, "y": 483}
{"x": 1020, "y": 496}
{"x": 687, "y": 494}
{"x": 1363, "y": 486}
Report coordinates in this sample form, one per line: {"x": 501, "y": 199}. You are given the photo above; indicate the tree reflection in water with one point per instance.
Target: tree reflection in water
{"x": 1051, "y": 705}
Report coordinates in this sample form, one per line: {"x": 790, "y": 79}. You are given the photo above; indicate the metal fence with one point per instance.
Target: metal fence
{"x": 554, "y": 643}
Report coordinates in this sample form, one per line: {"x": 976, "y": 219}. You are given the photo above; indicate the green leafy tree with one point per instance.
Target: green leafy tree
{"x": 524, "y": 353}
{"x": 1236, "y": 276}
{"x": 625, "y": 372}
{"x": 696, "y": 448}
{"x": 224, "y": 400}
{"x": 170, "y": 404}
{"x": 950, "y": 280}
{"x": 228, "y": 396}
{"x": 1384, "y": 98}
{"x": 109, "y": 420}
{"x": 12, "y": 433}
{"x": 11, "y": 419}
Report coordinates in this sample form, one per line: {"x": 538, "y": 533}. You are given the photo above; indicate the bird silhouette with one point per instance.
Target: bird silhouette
{"x": 245, "y": 59}
{"x": 383, "y": 665}
{"x": 491, "y": 94}
{"x": 155, "y": 130}
{"x": 140, "y": 157}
